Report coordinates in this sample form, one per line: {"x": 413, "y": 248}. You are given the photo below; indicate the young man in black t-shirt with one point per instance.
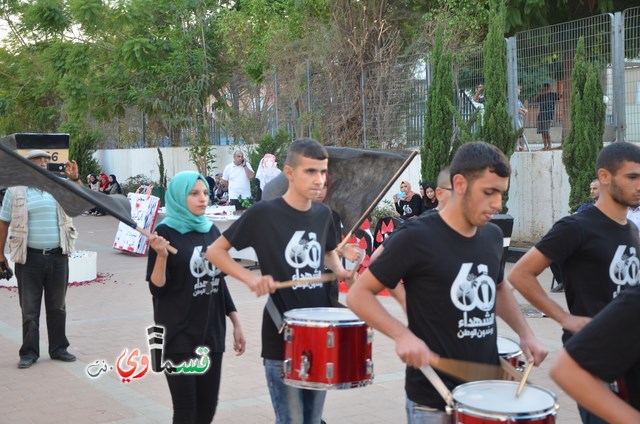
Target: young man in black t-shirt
{"x": 294, "y": 238}
{"x": 450, "y": 263}
{"x": 597, "y": 249}
{"x": 604, "y": 350}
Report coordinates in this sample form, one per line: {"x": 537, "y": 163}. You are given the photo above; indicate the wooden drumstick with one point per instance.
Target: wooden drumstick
{"x": 510, "y": 371}
{"x": 324, "y": 278}
{"x": 527, "y": 371}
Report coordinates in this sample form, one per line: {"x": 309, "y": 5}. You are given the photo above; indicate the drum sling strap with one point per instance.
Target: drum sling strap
{"x": 275, "y": 314}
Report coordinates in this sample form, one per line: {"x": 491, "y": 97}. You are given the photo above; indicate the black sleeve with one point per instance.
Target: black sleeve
{"x": 229, "y": 306}
{"x": 242, "y": 232}
{"x": 151, "y": 262}
{"x": 398, "y": 207}
{"x": 390, "y": 266}
{"x": 561, "y": 241}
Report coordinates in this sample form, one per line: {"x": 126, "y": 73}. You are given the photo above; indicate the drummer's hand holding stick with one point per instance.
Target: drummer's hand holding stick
{"x": 534, "y": 351}
{"x": 262, "y": 284}
{"x": 413, "y": 351}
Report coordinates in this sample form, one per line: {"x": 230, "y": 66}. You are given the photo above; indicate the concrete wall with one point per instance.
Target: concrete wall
{"x": 126, "y": 163}
{"x": 538, "y": 194}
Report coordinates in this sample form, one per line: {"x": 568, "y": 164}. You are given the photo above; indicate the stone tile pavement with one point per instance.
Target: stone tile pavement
{"x": 104, "y": 318}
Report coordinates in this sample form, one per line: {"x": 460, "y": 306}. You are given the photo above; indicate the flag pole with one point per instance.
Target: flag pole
{"x": 375, "y": 202}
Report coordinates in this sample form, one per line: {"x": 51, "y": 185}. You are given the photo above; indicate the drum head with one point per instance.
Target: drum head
{"x": 321, "y": 315}
{"x": 508, "y": 347}
{"x": 499, "y": 397}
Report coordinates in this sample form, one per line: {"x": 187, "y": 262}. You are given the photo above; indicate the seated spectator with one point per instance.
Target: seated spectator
{"x": 103, "y": 184}
{"x": 212, "y": 189}
{"x": 408, "y": 204}
{"x": 93, "y": 182}
{"x": 114, "y": 186}
{"x": 222, "y": 193}
{"x": 428, "y": 194}
{"x": 103, "y": 179}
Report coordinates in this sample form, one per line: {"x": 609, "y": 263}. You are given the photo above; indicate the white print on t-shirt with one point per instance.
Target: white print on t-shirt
{"x": 301, "y": 253}
{"x": 623, "y": 269}
{"x": 205, "y": 273}
{"x": 469, "y": 292}
{"x": 407, "y": 210}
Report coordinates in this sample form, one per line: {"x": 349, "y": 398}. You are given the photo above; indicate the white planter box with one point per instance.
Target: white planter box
{"x": 82, "y": 267}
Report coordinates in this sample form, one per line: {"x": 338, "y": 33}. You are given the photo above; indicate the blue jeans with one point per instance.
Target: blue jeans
{"x": 417, "y": 414}
{"x": 290, "y": 404}
{"x": 40, "y": 274}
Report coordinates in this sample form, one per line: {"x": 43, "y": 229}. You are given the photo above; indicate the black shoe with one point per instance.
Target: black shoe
{"x": 558, "y": 288}
{"x": 63, "y": 355}
{"x": 26, "y": 362}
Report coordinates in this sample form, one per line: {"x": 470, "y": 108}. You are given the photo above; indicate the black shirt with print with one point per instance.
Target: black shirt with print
{"x": 451, "y": 282}
{"x": 194, "y": 302}
{"x": 290, "y": 244}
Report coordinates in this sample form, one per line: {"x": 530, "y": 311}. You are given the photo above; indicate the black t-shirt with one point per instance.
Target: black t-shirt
{"x": 451, "y": 283}
{"x": 290, "y": 245}
{"x": 598, "y": 258}
{"x": 194, "y": 302}
{"x": 413, "y": 207}
{"x": 609, "y": 346}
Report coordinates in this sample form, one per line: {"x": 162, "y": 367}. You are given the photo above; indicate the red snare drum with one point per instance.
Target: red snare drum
{"x": 495, "y": 401}
{"x": 509, "y": 350}
{"x": 326, "y": 348}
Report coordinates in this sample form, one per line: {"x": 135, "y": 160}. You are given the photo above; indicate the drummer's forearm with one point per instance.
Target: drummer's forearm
{"x": 508, "y": 309}
{"x": 218, "y": 255}
{"x": 590, "y": 392}
{"x": 363, "y": 302}
{"x": 333, "y": 262}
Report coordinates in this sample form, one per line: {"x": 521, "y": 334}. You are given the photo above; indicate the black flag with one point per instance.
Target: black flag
{"x": 74, "y": 199}
{"x": 358, "y": 178}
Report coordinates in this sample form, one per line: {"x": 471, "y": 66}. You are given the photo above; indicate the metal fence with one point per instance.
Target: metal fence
{"x": 383, "y": 104}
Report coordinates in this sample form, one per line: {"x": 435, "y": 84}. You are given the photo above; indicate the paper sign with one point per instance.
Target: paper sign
{"x": 144, "y": 211}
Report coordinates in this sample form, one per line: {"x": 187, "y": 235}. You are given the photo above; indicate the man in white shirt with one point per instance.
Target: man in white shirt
{"x": 633, "y": 215}
{"x": 237, "y": 175}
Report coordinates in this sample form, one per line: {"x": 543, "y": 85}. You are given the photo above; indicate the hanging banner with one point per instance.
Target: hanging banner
{"x": 144, "y": 211}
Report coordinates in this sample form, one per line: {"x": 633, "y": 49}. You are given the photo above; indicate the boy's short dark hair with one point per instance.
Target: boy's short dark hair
{"x": 472, "y": 159}
{"x": 612, "y": 156}
{"x": 306, "y": 147}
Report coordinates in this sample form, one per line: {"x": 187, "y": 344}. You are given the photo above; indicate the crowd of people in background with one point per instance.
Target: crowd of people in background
{"x": 103, "y": 183}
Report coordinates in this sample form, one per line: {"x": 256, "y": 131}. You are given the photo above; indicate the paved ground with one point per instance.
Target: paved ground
{"x": 104, "y": 318}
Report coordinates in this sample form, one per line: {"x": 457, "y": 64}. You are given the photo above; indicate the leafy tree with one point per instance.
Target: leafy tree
{"x": 581, "y": 147}
{"x": 496, "y": 125}
{"x": 439, "y": 115}
{"x": 83, "y": 142}
{"x": 202, "y": 154}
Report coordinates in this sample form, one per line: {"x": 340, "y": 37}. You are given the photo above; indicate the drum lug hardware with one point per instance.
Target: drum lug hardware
{"x": 369, "y": 367}
{"x": 305, "y": 365}
{"x": 286, "y": 366}
{"x": 330, "y": 339}
{"x": 288, "y": 334}
{"x": 369, "y": 335}
{"x": 329, "y": 372}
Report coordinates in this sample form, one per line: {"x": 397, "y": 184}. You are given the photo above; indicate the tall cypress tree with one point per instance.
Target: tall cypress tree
{"x": 496, "y": 127}
{"x": 580, "y": 149}
{"x": 439, "y": 115}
